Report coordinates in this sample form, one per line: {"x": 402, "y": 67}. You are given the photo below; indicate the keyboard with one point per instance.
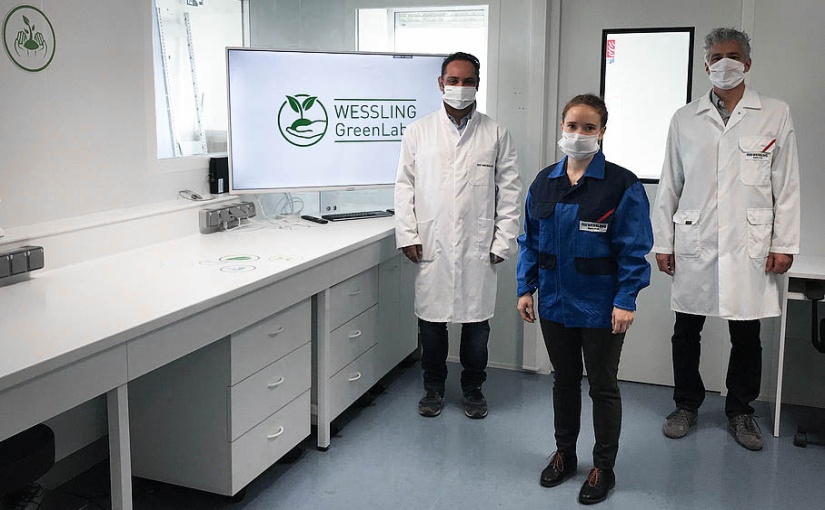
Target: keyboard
{"x": 356, "y": 215}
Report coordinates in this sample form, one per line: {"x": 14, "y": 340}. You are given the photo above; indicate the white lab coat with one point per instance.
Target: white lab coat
{"x": 727, "y": 197}
{"x": 457, "y": 195}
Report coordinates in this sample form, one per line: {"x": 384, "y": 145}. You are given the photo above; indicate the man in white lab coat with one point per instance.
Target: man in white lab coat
{"x": 726, "y": 222}
{"x": 457, "y": 216}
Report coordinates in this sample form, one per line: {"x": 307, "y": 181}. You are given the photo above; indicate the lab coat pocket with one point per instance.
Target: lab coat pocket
{"x": 686, "y": 239}
{"x": 483, "y": 171}
{"x": 760, "y": 228}
{"x": 427, "y": 232}
{"x": 485, "y": 237}
{"x": 755, "y": 154}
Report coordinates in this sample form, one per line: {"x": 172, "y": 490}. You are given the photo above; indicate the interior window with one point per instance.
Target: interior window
{"x": 190, "y": 37}
{"x": 428, "y": 30}
{"x": 645, "y": 79}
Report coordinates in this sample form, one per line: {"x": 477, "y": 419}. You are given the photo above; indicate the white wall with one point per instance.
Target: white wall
{"x": 78, "y": 137}
{"x": 787, "y": 52}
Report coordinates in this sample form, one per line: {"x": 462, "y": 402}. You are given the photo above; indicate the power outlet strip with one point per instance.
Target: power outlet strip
{"x": 222, "y": 218}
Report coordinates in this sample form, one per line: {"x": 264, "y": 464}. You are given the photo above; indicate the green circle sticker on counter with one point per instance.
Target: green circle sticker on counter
{"x": 28, "y": 37}
{"x": 239, "y": 258}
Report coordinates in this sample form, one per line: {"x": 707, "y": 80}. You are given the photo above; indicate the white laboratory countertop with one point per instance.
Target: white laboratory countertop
{"x": 60, "y": 316}
{"x": 807, "y": 266}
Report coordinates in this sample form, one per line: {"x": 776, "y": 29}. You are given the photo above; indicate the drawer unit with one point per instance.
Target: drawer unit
{"x": 254, "y": 452}
{"x": 266, "y": 391}
{"x": 352, "y": 339}
{"x": 352, "y": 296}
{"x": 260, "y": 344}
{"x": 351, "y": 382}
{"x": 346, "y": 334}
{"x": 218, "y": 417}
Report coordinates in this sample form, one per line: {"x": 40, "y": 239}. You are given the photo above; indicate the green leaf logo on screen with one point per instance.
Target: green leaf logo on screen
{"x": 28, "y": 37}
{"x": 302, "y": 120}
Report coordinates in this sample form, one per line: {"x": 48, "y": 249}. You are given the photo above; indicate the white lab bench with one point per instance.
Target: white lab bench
{"x": 215, "y": 338}
{"x": 793, "y": 288}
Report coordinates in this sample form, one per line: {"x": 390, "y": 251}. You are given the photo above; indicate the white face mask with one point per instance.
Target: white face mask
{"x": 459, "y": 97}
{"x": 578, "y": 146}
{"x": 726, "y": 73}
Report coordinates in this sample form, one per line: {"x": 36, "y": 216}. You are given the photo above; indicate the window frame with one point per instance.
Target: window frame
{"x": 691, "y": 31}
{"x": 177, "y": 164}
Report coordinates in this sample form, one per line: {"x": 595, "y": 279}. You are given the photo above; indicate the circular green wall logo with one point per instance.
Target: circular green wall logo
{"x": 28, "y": 37}
{"x": 297, "y": 125}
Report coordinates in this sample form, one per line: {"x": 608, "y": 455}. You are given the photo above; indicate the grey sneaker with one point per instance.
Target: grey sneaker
{"x": 431, "y": 403}
{"x": 475, "y": 405}
{"x": 678, "y": 422}
{"x": 745, "y": 431}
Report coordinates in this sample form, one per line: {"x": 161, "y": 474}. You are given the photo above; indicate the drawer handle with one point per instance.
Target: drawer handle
{"x": 275, "y": 384}
{"x": 276, "y": 434}
{"x": 276, "y": 332}
{"x": 355, "y": 377}
{"x": 355, "y": 292}
{"x": 355, "y": 334}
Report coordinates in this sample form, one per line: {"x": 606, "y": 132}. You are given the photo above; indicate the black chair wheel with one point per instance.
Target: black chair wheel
{"x": 800, "y": 439}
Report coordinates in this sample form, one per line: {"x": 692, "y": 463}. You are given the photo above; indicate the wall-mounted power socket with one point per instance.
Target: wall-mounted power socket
{"x": 227, "y": 217}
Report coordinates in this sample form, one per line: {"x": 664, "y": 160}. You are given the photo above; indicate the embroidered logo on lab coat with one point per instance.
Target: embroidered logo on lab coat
{"x": 757, "y": 156}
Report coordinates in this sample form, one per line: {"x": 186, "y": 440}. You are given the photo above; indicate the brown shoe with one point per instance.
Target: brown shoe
{"x": 597, "y": 486}
{"x": 559, "y": 469}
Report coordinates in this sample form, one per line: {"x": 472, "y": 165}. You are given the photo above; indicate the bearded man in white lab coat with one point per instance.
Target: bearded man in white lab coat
{"x": 456, "y": 216}
{"x": 726, "y": 222}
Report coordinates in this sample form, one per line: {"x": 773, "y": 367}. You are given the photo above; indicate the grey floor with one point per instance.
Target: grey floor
{"x": 387, "y": 457}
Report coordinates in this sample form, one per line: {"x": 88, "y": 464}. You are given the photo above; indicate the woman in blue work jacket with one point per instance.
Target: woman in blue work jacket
{"x": 586, "y": 233}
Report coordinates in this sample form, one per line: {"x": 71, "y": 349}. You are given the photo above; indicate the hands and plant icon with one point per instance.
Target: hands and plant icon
{"x": 314, "y": 129}
{"x": 29, "y": 39}
{"x": 303, "y": 127}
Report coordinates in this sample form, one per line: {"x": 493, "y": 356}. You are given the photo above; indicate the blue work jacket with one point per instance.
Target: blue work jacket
{"x": 584, "y": 246}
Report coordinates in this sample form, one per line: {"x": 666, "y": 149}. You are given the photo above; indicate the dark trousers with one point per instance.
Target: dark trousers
{"x": 602, "y": 350}
{"x": 744, "y": 368}
{"x": 473, "y": 353}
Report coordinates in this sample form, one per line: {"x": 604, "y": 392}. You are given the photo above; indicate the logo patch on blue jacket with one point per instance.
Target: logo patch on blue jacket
{"x": 591, "y": 226}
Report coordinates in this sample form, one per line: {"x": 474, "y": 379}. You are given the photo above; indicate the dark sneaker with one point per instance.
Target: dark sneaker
{"x": 597, "y": 486}
{"x": 475, "y": 405}
{"x": 559, "y": 469}
{"x": 678, "y": 422}
{"x": 745, "y": 431}
{"x": 431, "y": 403}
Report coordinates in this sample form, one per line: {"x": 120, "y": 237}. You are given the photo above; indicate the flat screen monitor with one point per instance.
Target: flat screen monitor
{"x": 308, "y": 121}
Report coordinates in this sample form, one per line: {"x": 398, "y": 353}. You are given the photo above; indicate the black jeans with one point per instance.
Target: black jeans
{"x": 473, "y": 353}
{"x": 602, "y": 350}
{"x": 744, "y": 368}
